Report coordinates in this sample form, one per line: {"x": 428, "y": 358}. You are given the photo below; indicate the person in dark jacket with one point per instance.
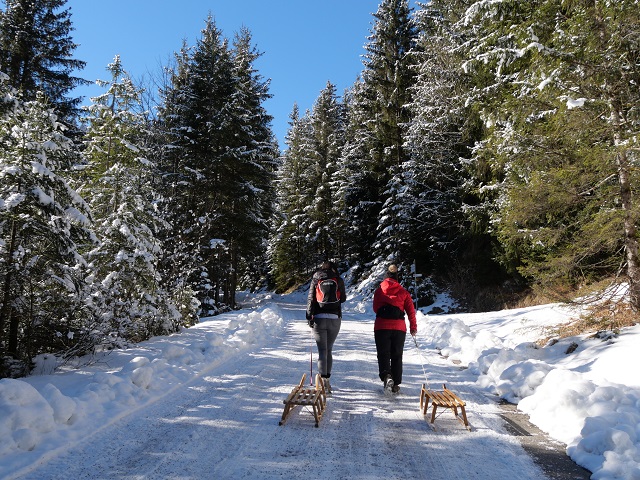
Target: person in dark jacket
{"x": 325, "y": 318}
{"x": 390, "y": 303}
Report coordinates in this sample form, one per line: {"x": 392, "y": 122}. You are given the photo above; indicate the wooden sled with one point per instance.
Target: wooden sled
{"x": 310, "y": 396}
{"x": 446, "y": 399}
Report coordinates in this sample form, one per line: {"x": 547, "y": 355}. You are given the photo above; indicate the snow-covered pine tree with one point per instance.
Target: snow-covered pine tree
{"x": 357, "y": 181}
{"x": 438, "y": 139}
{"x": 310, "y": 226}
{"x": 290, "y": 243}
{"x": 179, "y": 265}
{"x": 42, "y": 223}
{"x": 396, "y": 219}
{"x": 568, "y": 212}
{"x": 493, "y": 63}
{"x": 217, "y": 167}
{"x": 252, "y": 155}
{"x": 36, "y": 52}
{"x": 387, "y": 79}
{"x": 128, "y": 300}
{"x": 326, "y": 213}
{"x": 196, "y": 114}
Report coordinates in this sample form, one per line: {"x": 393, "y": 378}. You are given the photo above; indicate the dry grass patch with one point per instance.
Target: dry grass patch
{"x": 609, "y": 316}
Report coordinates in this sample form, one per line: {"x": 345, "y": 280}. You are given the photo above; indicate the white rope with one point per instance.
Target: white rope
{"x": 311, "y": 352}
{"x": 426, "y": 380}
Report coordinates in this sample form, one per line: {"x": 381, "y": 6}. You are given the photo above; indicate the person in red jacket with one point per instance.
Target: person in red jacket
{"x": 390, "y": 303}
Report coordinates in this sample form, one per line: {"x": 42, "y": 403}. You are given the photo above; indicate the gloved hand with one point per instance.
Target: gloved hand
{"x": 414, "y": 333}
{"x": 310, "y": 322}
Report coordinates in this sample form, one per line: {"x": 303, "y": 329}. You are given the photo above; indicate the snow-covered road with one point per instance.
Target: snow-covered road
{"x": 223, "y": 424}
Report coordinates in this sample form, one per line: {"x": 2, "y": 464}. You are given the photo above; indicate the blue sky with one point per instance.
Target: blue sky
{"x": 305, "y": 43}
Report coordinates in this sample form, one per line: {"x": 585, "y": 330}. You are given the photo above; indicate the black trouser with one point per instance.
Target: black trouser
{"x": 389, "y": 345}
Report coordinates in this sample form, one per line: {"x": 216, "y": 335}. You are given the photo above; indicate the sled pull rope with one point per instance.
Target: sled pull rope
{"x": 311, "y": 357}
{"x": 421, "y": 361}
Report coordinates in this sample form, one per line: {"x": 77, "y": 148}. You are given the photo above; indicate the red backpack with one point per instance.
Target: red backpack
{"x": 327, "y": 291}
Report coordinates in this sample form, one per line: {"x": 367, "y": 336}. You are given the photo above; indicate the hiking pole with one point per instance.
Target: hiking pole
{"x": 421, "y": 361}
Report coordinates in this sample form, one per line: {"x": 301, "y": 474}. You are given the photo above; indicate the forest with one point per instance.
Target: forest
{"x": 492, "y": 146}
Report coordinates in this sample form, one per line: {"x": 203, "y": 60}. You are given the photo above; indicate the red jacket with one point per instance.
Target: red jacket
{"x": 390, "y": 292}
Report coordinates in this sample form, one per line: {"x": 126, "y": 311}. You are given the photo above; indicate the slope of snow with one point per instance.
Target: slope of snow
{"x": 205, "y": 403}
{"x": 583, "y": 391}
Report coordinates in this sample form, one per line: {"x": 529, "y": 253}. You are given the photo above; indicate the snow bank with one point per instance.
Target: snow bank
{"x": 583, "y": 391}
{"x": 37, "y": 418}
{"x": 26, "y": 415}
{"x": 600, "y": 424}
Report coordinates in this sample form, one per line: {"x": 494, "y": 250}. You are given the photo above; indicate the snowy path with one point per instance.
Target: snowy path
{"x": 224, "y": 424}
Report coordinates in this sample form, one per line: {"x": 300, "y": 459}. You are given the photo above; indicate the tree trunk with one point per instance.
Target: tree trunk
{"x": 5, "y": 311}
{"x": 630, "y": 230}
{"x": 233, "y": 277}
{"x": 14, "y": 323}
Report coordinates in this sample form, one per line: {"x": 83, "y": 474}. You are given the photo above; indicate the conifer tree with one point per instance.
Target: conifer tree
{"x": 195, "y": 113}
{"x": 218, "y": 165}
{"x": 128, "y": 297}
{"x": 396, "y": 219}
{"x": 43, "y": 220}
{"x": 253, "y": 152}
{"x": 358, "y": 181}
{"x": 36, "y": 52}
{"x": 290, "y": 242}
{"x": 327, "y": 123}
{"x": 311, "y": 222}
{"x": 494, "y": 65}
{"x": 573, "y": 144}
{"x": 179, "y": 264}
{"x": 380, "y": 101}
{"x": 439, "y": 138}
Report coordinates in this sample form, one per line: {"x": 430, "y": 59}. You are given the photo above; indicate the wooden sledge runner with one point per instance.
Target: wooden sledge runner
{"x": 445, "y": 398}
{"x": 311, "y": 396}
